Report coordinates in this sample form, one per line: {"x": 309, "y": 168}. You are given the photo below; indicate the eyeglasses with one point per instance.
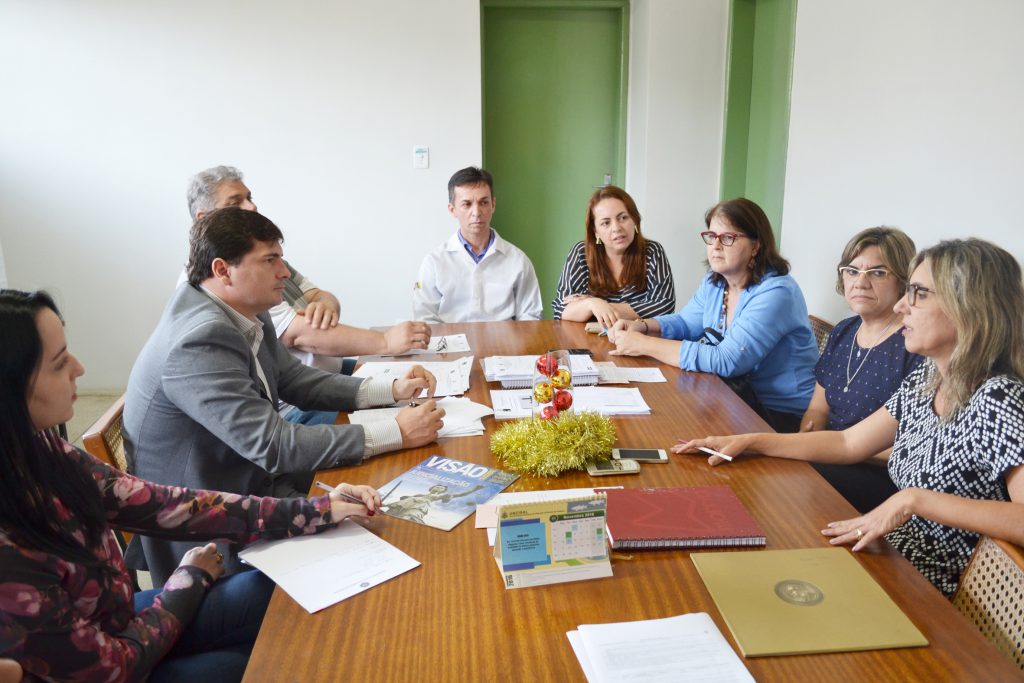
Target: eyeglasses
{"x": 914, "y": 290}
{"x": 726, "y": 238}
{"x": 874, "y": 274}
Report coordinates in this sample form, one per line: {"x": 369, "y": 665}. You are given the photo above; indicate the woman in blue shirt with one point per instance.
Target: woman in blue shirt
{"x": 746, "y": 323}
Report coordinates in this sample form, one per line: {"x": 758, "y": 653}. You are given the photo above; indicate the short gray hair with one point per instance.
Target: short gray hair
{"x": 204, "y": 185}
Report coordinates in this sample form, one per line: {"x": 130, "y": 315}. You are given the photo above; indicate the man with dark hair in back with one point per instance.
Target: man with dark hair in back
{"x": 201, "y": 410}
{"x": 475, "y": 275}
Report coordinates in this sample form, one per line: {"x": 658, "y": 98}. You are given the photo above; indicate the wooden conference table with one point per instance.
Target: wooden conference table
{"x": 452, "y": 620}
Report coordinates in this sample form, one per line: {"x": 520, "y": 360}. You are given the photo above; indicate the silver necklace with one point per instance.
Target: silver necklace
{"x": 853, "y": 344}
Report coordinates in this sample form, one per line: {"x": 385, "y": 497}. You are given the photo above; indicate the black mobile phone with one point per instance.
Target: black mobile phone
{"x": 580, "y": 352}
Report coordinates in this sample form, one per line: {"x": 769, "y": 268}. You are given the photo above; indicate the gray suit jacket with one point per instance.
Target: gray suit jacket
{"x": 197, "y": 415}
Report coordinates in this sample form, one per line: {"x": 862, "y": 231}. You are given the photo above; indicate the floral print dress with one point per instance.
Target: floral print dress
{"x": 65, "y": 621}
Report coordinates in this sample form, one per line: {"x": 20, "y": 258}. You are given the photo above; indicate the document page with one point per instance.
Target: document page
{"x": 318, "y": 571}
{"x": 452, "y": 376}
{"x": 688, "y": 647}
{"x": 448, "y": 343}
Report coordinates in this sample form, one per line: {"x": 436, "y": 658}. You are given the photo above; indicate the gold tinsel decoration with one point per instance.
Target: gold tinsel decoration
{"x": 546, "y": 448}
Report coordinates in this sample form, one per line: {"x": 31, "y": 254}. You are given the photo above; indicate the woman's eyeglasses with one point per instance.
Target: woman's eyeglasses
{"x": 914, "y": 290}
{"x": 726, "y": 238}
{"x": 874, "y": 274}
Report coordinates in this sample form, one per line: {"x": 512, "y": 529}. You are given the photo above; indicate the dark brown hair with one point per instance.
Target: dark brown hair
{"x": 634, "y": 272}
{"x": 749, "y": 218}
{"x": 229, "y": 233}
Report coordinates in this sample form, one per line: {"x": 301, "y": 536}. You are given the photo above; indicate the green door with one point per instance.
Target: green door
{"x": 554, "y": 90}
{"x": 760, "y": 73}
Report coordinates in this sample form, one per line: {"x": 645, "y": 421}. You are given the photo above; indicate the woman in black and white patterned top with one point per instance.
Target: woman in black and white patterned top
{"x": 956, "y": 424}
{"x": 615, "y": 272}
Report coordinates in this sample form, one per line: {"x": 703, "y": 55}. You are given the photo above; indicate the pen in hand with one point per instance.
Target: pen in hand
{"x": 343, "y": 495}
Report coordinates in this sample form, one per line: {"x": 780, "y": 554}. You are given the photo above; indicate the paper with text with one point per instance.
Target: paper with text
{"x": 318, "y": 571}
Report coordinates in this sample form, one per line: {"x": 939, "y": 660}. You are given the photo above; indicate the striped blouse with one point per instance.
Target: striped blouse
{"x": 658, "y": 299}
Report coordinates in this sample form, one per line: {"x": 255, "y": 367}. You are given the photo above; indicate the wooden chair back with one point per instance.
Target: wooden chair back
{"x": 105, "y": 440}
{"x": 821, "y": 328}
{"x": 991, "y": 594}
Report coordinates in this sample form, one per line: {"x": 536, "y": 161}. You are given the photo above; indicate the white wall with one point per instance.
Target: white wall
{"x": 109, "y": 107}
{"x": 904, "y": 113}
{"x": 675, "y": 124}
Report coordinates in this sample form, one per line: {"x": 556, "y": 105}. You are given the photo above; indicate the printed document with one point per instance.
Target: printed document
{"x": 318, "y": 571}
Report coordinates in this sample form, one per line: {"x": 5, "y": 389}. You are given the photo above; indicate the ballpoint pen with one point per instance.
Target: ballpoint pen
{"x": 342, "y": 494}
{"x": 711, "y": 451}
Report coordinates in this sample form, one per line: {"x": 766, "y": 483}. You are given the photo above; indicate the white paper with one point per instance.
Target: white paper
{"x": 487, "y": 513}
{"x": 519, "y": 370}
{"x": 517, "y": 403}
{"x": 462, "y": 416}
{"x": 452, "y": 376}
{"x": 318, "y": 571}
{"x": 447, "y": 343}
{"x": 688, "y": 647}
{"x": 610, "y": 373}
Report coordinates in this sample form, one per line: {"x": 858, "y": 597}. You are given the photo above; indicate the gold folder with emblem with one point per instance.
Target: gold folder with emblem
{"x": 787, "y": 602}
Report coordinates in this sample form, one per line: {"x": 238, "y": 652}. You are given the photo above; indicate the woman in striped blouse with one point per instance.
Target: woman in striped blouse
{"x": 614, "y": 273}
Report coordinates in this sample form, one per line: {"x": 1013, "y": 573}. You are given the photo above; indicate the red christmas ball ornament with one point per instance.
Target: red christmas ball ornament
{"x": 549, "y": 413}
{"x": 547, "y": 365}
{"x": 563, "y": 400}
{"x": 542, "y": 392}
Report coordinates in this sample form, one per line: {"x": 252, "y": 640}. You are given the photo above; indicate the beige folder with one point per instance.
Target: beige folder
{"x": 787, "y": 602}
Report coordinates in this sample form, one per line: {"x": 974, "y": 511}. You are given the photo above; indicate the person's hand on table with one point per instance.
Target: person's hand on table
{"x": 413, "y": 382}
{"x": 603, "y": 311}
{"x": 730, "y": 445}
{"x": 892, "y": 514}
{"x": 322, "y": 314}
{"x": 420, "y": 424}
{"x": 341, "y": 508}
{"x": 629, "y": 342}
{"x": 411, "y": 334}
{"x": 205, "y": 557}
{"x": 622, "y": 325}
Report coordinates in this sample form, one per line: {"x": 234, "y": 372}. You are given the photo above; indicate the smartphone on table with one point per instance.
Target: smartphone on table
{"x": 652, "y": 455}
{"x": 601, "y": 468}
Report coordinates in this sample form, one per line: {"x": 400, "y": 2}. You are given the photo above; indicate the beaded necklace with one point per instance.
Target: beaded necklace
{"x": 723, "y": 316}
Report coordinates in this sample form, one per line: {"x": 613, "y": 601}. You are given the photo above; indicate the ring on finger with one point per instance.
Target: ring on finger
{"x": 220, "y": 558}
{"x": 860, "y": 534}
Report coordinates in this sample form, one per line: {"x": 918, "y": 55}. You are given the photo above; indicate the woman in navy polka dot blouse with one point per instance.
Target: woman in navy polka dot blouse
{"x": 956, "y": 424}
{"x": 865, "y": 359}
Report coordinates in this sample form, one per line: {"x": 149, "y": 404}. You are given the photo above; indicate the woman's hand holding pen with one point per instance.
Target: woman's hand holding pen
{"x": 419, "y": 424}
{"x": 344, "y": 499}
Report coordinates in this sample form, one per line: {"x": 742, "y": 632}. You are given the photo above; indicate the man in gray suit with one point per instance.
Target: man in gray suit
{"x": 200, "y": 409}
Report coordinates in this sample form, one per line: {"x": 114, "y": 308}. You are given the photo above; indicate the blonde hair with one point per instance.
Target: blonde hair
{"x": 979, "y": 287}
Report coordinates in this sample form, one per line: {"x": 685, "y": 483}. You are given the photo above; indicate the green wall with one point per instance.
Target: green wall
{"x": 758, "y": 83}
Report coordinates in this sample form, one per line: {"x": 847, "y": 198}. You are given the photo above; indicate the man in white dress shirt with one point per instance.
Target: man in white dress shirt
{"x": 475, "y": 275}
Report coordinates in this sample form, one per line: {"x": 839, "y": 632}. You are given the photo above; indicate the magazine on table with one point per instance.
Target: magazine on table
{"x": 441, "y": 492}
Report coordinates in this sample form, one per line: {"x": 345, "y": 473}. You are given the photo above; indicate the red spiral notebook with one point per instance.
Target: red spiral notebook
{"x": 698, "y": 517}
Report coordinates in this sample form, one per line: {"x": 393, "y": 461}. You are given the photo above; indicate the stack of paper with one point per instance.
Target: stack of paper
{"x": 452, "y": 376}
{"x": 461, "y": 416}
{"x": 518, "y": 371}
{"x": 610, "y": 373}
{"x": 688, "y": 647}
{"x": 448, "y": 343}
{"x": 318, "y": 571}
{"x": 516, "y": 403}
